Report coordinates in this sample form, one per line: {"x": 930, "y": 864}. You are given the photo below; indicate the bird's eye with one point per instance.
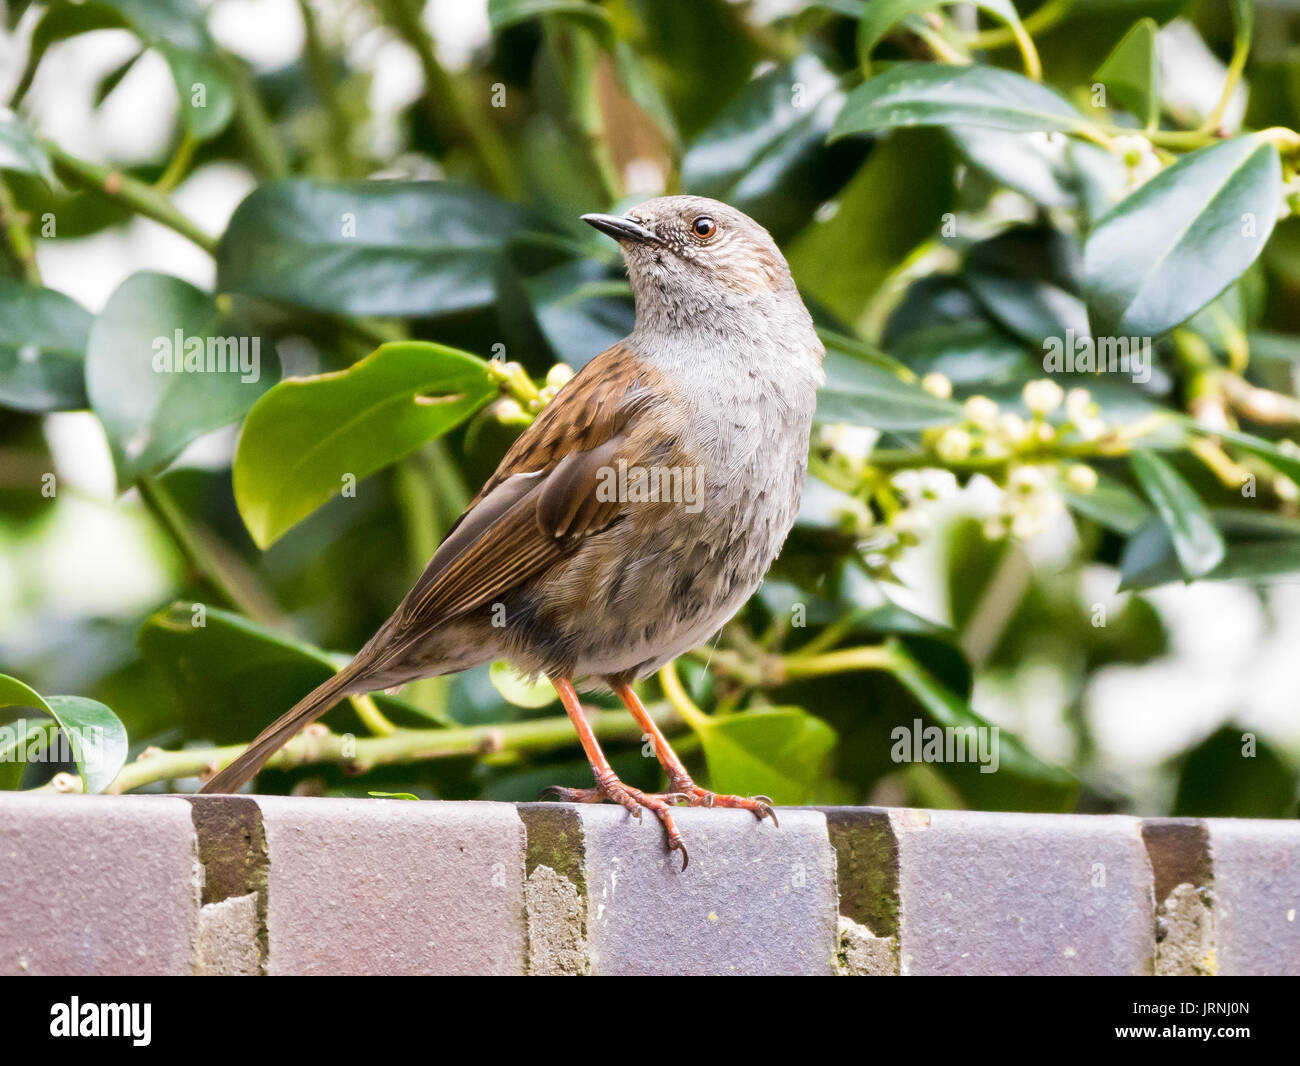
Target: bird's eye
{"x": 704, "y": 227}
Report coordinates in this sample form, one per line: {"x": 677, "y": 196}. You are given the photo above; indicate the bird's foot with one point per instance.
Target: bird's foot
{"x": 760, "y": 806}
{"x": 633, "y": 800}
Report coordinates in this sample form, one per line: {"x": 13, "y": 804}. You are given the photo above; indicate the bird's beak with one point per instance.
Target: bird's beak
{"x": 620, "y": 228}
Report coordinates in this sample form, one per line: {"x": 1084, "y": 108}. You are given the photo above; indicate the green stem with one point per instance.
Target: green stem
{"x": 1043, "y": 19}
{"x": 255, "y": 124}
{"x": 873, "y": 657}
{"x": 1236, "y": 66}
{"x": 373, "y": 718}
{"x": 14, "y": 225}
{"x": 315, "y": 746}
{"x": 447, "y": 110}
{"x": 143, "y": 198}
{"x": 327, "y": 89}
{"x": 180, "y": 163}
{"x": 678, "y": 697}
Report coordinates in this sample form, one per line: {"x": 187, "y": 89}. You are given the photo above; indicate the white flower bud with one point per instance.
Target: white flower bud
{"x": 1078, "y": 404}
{"x": 1026, "y": 480}
{"x": 1042, "y": 396}
{"x": 1013, "y": 428}
{"x": 953, "y": 446}
{"x": 1081, "y": 478}
{"x": 981, "y": 411}
{"x": 937, "y": 385}
{"x": 559, "y": 375}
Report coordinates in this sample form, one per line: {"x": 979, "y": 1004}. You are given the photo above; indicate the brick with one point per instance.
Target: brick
{"x": 97, "y": 885}
{"x": 1023, "y": 894}
{"x": 755, "y": 899}
{"x": 376, "y": 886}
{"x": 228, "y": 938}
{"x": 1256, "y": 896}
{"x": 1179, "y": 850}
{"x": 866, "y": 858}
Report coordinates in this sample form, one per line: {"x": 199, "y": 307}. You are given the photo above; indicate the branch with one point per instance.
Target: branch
{"x": 317, "y": 745}
{"x": 143, "y": 198}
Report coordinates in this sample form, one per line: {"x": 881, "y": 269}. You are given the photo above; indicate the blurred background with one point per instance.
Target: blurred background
{"x": 1004, "y": 592}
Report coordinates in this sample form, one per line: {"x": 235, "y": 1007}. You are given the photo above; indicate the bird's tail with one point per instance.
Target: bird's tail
{"x": 278, "y": 733}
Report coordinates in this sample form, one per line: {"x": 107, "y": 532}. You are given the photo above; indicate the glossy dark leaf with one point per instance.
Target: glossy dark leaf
{"x": 766, "y": 153}
{"x": 1173, "y": 245}
{"x": 164, "y": 365}
{"x": 42, "y": 348}
{"x": 865, "y": 395}
{"x": 935, "y": 94}
{"x": 368, "y": 247}
{"x": 1197, "y": 541}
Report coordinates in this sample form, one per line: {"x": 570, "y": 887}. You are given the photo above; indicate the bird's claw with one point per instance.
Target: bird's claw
{"x": 631, "y": 799}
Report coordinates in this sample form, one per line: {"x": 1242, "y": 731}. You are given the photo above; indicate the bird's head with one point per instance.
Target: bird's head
{"x": 691, "y": 253}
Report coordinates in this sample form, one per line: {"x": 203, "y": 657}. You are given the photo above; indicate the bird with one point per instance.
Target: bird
{"x": 638, "y": 511}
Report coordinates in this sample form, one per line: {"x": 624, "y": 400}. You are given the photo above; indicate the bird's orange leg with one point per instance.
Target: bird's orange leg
{"x": 608, "y": 786}
{"x": 678, "y": 779}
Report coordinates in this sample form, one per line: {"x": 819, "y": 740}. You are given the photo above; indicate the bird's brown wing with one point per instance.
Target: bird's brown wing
{"x": 543, "y": 500}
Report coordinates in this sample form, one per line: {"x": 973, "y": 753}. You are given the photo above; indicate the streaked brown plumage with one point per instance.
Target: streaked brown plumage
{"x": 719, "y": 377}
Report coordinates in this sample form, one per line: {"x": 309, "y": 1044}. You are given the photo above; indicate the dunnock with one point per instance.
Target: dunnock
{"x": 639, "y": 510}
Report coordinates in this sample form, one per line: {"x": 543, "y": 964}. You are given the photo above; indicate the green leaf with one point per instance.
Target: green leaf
{"x": 1172, "y": 246}
{"x": 176, "y": 28}
{"x": 1021, "y": 781}
{"x": 394, "y": 795}
{"x": 1031, "y": 308}
{"x": 1260, "y": 547}
{"x": 1197, "y": 540}
{"x": 515, "y": 688}
{"x": 232, "y": 676}
{"x": 779, "y": 753}
{"x": 1049, "y": 170}
{"x": 42, "y": 348}
{"x": 879, "y": 15}
{"x": 1132, "y": 72}
{"x": 505, "y": 13}
{"x": 1111, "y": 505}
{"x": 935, "y": 94}
{"x": 766, "y": 152}
{"x": 20, "y": 150}
{"x": 309, "y": 437}
{"x": 21, "y": 742}
{"x": 580, "y": 309}
{"x": 164, "y": 366}
{"x": 862, "y": 394}
{"x": 1233, "y": 774}
{"x": 421, "y": 248}
{"x": 95, "y": 734}
{"x": 97, "y": 737}
{"x": 894, "y": 203}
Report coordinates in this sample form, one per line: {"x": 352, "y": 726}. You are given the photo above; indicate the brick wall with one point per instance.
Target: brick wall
{"x": 181, "y": 885}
